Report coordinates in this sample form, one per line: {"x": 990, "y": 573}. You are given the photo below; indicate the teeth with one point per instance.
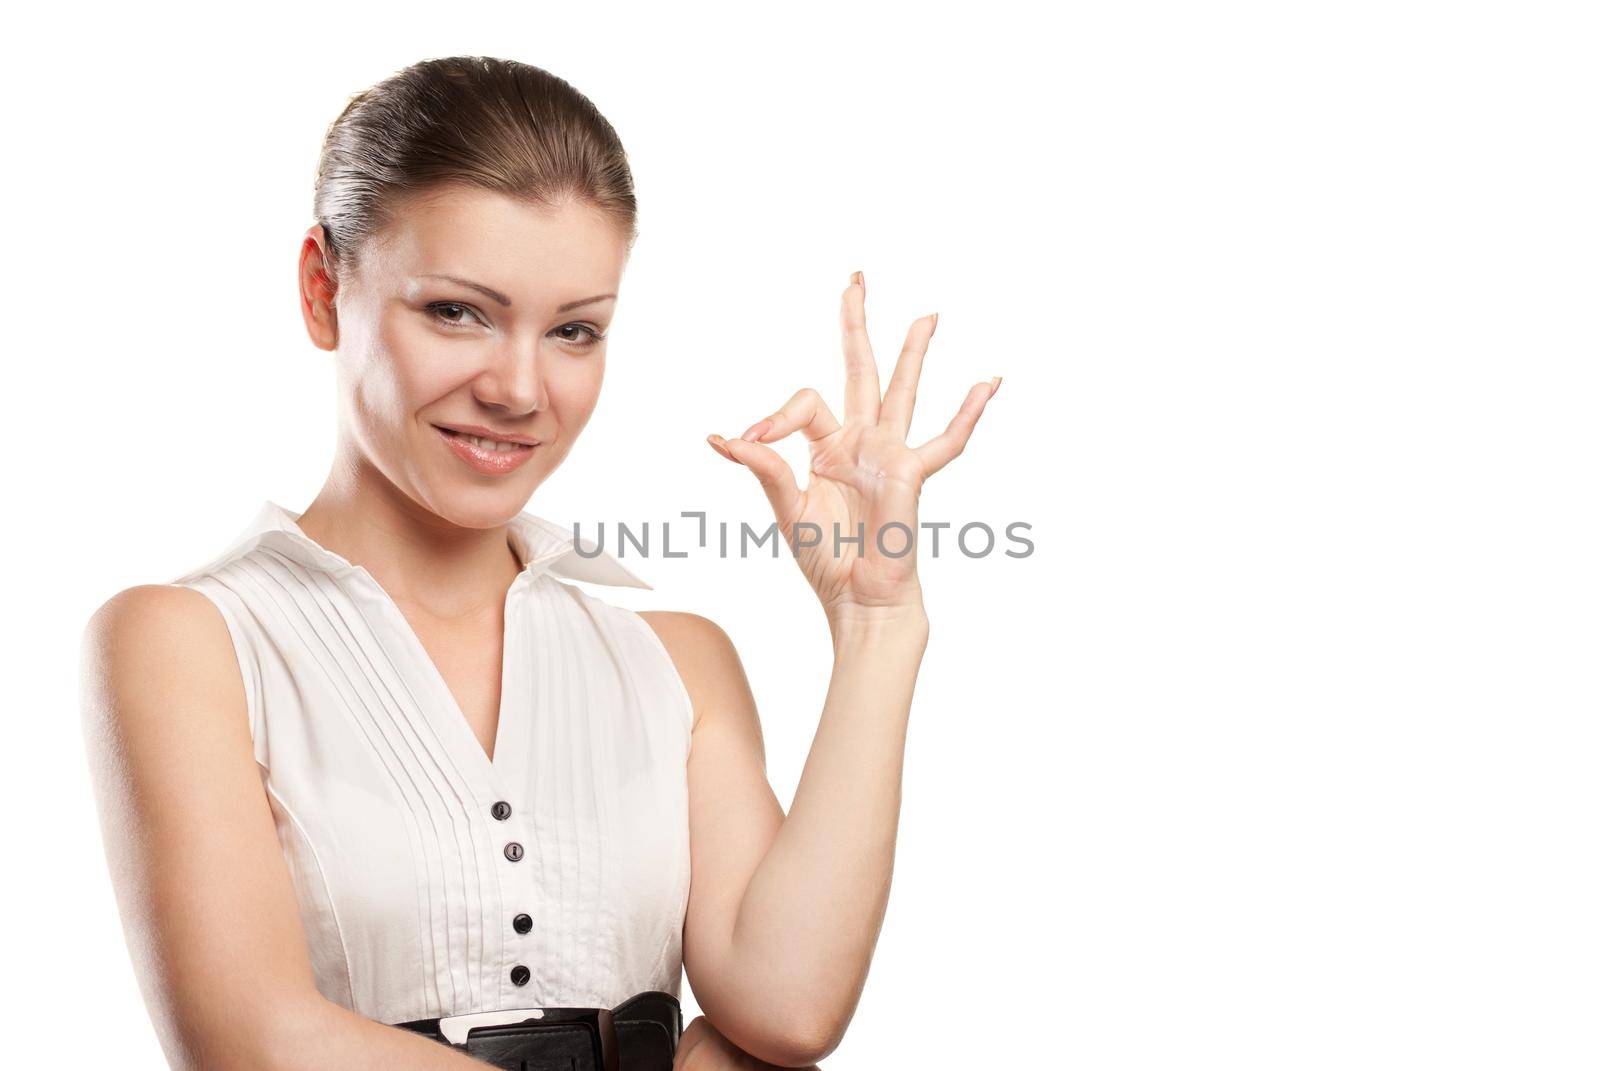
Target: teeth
{"x": 493, "y": 445}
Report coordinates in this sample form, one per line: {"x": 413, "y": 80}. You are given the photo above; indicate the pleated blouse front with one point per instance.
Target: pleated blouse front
{"x": 431, "y": 880}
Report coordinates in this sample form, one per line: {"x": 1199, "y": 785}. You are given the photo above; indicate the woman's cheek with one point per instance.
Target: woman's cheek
{"x": 372, "y": 398}
{"x": 575, "y": 393}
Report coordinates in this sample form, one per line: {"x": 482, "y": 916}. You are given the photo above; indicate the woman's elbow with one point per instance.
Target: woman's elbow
{"x": 271, "y": 1036}
{"x": 801, "y": 1042}
{"x": 806, "y": 1048}
{"x": 295, "y": 1033}
{"x": 705, "y": 1048}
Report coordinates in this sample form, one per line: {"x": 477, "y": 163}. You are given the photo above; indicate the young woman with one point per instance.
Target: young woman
{"x": 378, "y": 764}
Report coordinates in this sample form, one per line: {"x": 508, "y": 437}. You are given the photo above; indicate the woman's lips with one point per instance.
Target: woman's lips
{"x": 488, "y": 462}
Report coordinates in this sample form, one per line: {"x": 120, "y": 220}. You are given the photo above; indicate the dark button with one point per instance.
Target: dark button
{"x": 522, "y": 923}
{"x": 520, "y": 975}
{"x": 501, "y": 810}
{"x": 513, "y": 851}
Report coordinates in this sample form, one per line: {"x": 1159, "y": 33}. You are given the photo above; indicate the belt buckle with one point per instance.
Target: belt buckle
{"x": 456, "y": 1028}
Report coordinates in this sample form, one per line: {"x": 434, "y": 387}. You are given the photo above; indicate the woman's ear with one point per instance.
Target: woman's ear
{"x": 317, "y": 290}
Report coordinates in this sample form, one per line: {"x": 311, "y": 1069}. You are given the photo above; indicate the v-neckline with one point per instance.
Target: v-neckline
{"x": 460, "y": 728}
{"x": 542, "y": 547}
{"x": 437, "y": 677}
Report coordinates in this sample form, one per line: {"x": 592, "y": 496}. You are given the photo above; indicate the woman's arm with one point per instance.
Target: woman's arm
{"x": 785, "y": 911}
{"x": 703, "y": 1048}
{"x": 816, "y": 903}
{"x": 200, "y": 878}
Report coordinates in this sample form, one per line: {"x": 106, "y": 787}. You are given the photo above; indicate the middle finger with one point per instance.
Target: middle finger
{"x": 861, "y": 392}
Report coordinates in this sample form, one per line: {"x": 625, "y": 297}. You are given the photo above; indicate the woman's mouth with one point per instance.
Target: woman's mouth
{"x": 492, "y": 457}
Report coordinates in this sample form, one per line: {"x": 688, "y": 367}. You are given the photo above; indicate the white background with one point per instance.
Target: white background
{"x": 1279, "y": 751}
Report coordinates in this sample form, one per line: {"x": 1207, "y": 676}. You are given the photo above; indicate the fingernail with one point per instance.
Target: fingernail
{"x": 754, "y": 432}
{"x": 859, "y": 279}
{"x": 719, "y": 448}
{"x": 995, "y": 386}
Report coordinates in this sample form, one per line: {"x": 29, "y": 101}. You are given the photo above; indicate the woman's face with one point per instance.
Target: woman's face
{"x": 506, "y": 343}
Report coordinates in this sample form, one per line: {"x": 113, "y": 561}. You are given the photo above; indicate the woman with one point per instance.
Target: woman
{"x": 378, "y": 766}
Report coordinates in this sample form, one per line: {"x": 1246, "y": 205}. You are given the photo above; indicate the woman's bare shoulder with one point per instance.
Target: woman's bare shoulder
{"x": 704, "y": 654}
{"x": 148, "y": 614}
{"x": 151, "y": 641}
{"x": 682, "y": 625}
{"x": 692, "y": 639}
{"x": 155, "y": 603}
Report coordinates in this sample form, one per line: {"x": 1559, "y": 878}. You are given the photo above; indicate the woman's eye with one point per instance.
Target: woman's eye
{"x": 589, "y": 337}
{"x": 457, "y": 313}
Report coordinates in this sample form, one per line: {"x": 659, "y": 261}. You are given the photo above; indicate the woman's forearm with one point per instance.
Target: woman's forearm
{"x": 328, "y": 1035}
{"x": 809, "y": 919}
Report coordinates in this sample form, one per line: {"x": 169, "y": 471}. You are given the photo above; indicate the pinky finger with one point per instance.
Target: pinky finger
{"x": 945, "y": 447}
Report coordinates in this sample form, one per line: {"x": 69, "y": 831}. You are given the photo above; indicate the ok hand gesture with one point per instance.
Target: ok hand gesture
{"x": 865, "y": 479}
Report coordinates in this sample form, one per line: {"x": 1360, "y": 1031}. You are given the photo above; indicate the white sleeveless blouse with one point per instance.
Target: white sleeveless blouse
{"x": 431, "y": 880}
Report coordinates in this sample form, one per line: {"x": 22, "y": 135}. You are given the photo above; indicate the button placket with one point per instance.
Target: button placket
{"x": 501, "y": 811}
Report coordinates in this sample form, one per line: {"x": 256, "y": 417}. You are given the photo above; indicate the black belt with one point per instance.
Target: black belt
{"x": 640, "y": 1034}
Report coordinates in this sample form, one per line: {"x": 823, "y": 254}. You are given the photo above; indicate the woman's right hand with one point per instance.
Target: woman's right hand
{"x": 703, "y": 1048}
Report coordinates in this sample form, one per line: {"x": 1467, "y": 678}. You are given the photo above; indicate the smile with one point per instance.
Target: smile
{"x": 492, "y": 457}
{"x": 487, "y": 444}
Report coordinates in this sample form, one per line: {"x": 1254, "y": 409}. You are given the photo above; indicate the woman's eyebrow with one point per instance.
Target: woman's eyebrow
{"x": 495, "y": 294}
{"x": 502, "y": 299}
{"x": 586, "y": 301}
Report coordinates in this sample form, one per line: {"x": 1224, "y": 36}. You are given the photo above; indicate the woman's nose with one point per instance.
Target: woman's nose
{"x": 514, "y": 379}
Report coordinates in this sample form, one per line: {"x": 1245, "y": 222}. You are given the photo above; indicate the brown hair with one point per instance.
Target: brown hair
{"x": 474, "y": 120}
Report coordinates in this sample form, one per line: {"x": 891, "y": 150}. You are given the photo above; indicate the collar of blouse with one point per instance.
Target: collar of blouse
{"x": 542, "y": 546}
